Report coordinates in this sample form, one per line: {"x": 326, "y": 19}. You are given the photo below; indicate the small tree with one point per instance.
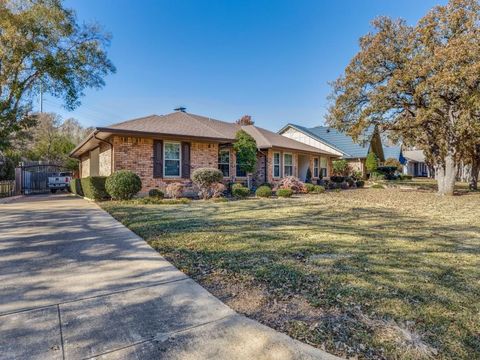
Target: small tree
{"x": 371, "y": 163}
{"x": 340, "y": 167}
{"x": 308, "y": 177}
{"x": 245, "y": 148}
{"x": 394, "y": 162}
{"x": 245, "y": 120}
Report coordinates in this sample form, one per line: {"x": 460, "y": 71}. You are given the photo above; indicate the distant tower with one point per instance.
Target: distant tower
{"x": 181, "y": 108}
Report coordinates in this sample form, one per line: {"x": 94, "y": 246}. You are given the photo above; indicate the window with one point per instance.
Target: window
{"x": 171, "y": 167}
{"x": 276, "y": 165}
{"x": 315, "y": 167}
{"x": 323, "y": 166}
{"x": 287, "y": 165}
{"x": 224, "y": 162}
{"x": 240, "y": 172}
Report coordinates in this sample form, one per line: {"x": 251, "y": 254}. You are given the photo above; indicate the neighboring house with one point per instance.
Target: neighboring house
{"x": 331, "y": 140}
{"x": 168, "y": 148}
{"x": 415, "y": 164}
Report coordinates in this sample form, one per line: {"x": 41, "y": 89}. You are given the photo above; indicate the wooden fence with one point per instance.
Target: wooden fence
{"x": 7, "y": 188}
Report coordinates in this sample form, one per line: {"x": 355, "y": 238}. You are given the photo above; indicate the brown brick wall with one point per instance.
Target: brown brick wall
{"x": 136, "y": 154}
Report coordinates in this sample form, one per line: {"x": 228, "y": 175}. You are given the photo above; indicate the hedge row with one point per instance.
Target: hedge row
{"x": 92, "y": 187}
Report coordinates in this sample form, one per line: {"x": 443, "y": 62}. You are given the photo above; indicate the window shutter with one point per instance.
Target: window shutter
{"x": 157, "y": 158}
{"x": 281, "y": 165}
{"x": 185, "y": 160}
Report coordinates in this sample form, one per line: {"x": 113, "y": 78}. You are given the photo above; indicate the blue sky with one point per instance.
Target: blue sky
{"x": 270, "y": 59}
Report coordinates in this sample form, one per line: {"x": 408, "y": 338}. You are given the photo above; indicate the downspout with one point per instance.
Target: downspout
{"x": 111, "y": 151}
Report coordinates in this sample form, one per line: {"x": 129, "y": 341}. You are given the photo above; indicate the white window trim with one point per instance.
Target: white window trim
{"x": 279, "y": 166}
{"x": 288, "y": 165}
{"x": 229, "y": 161}
{"x": 165, "y": 160}
{"x": 318, "y": 167}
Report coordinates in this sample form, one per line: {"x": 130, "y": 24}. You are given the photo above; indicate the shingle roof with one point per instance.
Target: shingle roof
{"x": 414, "y": 155}
{"x": 196, "y": 126}
{"x": 393, "y": 152}
{"x": 339, "y": 140}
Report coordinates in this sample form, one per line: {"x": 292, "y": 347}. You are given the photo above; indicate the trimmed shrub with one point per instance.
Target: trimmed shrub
{"x": 292, "y": 183}
{"x": 156, "y": 193}
{"x": 344, "y": 186}
{"x": 264, "y": 192}
{"x": 217, "y": 189}
{"x": 123, "y": 185}
{"x": 175, "y": 190}
{"x": 267, "y": 184}
{"x": 376, "y": 176}
{"x": 377, "y": 186}
{"x": 308, "y": 176}
{"x": 350, "y": 181}
{"x": 360, "y": 183}
{"x": 93, "y": 187}
{"x": 337, "y": 179}
{"x": 240, "y": 191}
{"x": 405, "y": 177}
{"x": 76, "y": 187}
{"x": 204, "y": 178}
{"x": 333, "y": 185}
{"x": 318, "y": 189}
{"x": 394, "y": 163}
{"x": 286, "y": 193}
{"x": 309, "y": 187}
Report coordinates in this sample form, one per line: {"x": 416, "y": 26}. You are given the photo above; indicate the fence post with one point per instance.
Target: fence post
{"x": 18, "y": 181}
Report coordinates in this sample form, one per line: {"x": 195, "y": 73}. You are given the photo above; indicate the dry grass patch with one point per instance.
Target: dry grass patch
{"x": 369, "y": 273}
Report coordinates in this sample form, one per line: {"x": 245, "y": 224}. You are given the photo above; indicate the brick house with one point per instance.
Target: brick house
{"x": 168, "y": 148}
{"x": 331, "y": 140}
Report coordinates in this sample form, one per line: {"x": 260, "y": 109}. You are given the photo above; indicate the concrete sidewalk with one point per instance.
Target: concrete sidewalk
{"x": 76, "y": 284}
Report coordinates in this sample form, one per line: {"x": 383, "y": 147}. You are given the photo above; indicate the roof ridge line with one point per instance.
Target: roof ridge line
{"x": 259, "y": 133}
{"x": 209, "y": 118}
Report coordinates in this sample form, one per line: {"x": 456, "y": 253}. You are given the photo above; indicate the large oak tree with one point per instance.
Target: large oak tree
{"x": 43, "y": 45}
{"x": 419, "y": 82}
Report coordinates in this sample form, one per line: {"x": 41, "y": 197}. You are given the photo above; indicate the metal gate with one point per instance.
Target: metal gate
{"x": 34, "y": 177}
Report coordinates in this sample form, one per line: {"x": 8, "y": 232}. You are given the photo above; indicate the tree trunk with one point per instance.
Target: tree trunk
{"x": 445, "y": 175}
{"x": 474, "y": 175}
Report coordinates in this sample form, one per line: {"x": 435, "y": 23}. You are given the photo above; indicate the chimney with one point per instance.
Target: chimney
{"x": 181, "y": 108}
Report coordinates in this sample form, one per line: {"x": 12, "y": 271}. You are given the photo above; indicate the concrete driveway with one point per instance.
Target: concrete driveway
{"x": 76, "y": 284}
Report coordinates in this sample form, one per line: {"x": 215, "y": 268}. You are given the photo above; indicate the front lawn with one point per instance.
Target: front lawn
{"x": 369, "y": 272}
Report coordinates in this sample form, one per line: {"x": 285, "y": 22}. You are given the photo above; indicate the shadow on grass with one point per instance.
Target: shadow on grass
{"x": 385, "y": 263}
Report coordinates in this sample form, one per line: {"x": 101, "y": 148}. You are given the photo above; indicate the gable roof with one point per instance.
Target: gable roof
{"x": 181, "y": 124}
{"x": 338, "y": 140}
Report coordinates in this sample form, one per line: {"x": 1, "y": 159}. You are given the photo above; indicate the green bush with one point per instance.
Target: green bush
{"x": 264, "y": 192}
{"x": 284, "y": 193}
{"x": 240, "y": 191}
{"x": 310, "y": 187}
{"x": 377, "y": 186}
{"x": 93, "y": 187}
{"x": 375, "y": 176}
{"x": 405, "y": 177}
{"x": 204, "y": 178}
{"x": 360, "y": 183}
{"x": 123, "y": 184}
{"x": 371, "y": 163}
{"x": 341, "y": 167}
{"x": 318, "y": 189}
{"x": 156, "y": 193}
{"x": 76, "y": 187}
